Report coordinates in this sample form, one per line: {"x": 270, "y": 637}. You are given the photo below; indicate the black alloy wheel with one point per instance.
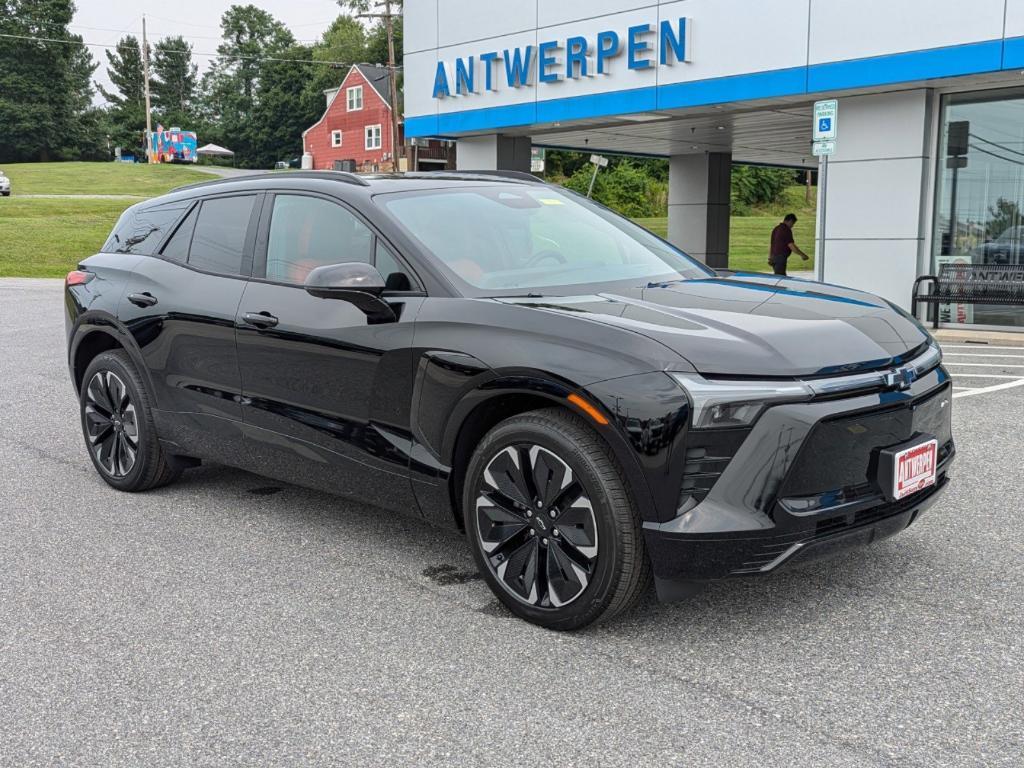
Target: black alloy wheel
{"x": 552, "y": 525}
{"x": 117, "y": 423}
{"x": 111, "y": 424}
{"x": 536, "y": 524}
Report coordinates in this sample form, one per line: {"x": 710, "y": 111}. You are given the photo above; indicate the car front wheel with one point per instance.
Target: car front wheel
{"x": 551, "y": 523}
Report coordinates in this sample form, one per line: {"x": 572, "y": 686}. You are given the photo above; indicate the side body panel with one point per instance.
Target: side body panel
{"x": 470, "y": 353}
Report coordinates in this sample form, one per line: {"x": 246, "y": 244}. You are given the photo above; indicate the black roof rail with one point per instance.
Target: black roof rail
{"x": 343, "y": 176}
{"x": 511, "y": 175}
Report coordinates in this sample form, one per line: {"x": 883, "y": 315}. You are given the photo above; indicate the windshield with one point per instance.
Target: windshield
{"x": 521, "y": 239}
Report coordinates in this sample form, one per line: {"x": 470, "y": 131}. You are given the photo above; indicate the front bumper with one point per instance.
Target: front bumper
{"x": 803, "y": 484}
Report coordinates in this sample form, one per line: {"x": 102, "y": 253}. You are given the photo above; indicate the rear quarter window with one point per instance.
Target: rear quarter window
{"x": 140, "y": 230}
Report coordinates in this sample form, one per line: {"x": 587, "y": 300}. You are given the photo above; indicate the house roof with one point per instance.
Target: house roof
{"x": 377, "y": 76}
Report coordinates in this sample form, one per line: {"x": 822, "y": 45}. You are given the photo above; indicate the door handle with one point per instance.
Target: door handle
{"x": 142, "y": 299}
{"x": 260, "y": 319}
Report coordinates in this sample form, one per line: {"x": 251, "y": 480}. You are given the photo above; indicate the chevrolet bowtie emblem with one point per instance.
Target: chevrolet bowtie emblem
{"x": 900, "y": 379}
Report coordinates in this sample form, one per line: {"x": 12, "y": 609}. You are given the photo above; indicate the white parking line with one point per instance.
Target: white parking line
{"x": 997, "y": 357}
{"x": 984, "y": 347}
{"x": 971, "y": 364}
{"x": 993, "y": 388}
{"x": 984, "y": 365}
{"x": 984, "y": 376}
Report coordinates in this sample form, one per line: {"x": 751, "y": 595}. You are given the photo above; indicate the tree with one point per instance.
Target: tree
{"x": 344, "y": 42}
{"x": 1004, "y": 215}
{"x": 45, "y": 87}
{"x": 285, "y": 108}
{"x": 173, "y": 84}
{"x": 757, "y": 185}
{"x": 377, "y": 43}
{"x": 124, "y": 68}
{"x": 128, "y": 102}
{"x": 231, "y": 86}
{"x": 625, "y": 187}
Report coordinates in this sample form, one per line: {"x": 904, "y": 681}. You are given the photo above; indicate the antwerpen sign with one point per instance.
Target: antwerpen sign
{"x": 644, "y": 46}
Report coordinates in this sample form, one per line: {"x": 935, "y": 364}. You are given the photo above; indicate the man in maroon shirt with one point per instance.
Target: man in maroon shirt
{"x": 783, "y": 245}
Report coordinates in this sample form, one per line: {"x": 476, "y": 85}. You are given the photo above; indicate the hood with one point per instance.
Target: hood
{"x": 755, "y": 325}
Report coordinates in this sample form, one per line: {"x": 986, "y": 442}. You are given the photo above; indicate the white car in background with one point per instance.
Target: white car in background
{"x": 5, "y": 185}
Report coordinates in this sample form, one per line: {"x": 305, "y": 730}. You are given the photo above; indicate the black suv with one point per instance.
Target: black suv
{"x": 591, "y": 406}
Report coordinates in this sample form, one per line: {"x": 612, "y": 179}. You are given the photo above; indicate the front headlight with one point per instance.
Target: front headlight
{"x": 723, "y": 404}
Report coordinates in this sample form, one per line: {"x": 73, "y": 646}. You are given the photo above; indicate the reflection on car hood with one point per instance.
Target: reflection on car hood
{"x": 754, "y": 325}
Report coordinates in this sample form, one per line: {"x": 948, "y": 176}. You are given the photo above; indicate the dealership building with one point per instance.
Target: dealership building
{"x": 928, "y": 162}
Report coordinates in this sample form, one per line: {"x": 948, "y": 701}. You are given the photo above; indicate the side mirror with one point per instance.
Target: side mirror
{"x": 355, "y": 282}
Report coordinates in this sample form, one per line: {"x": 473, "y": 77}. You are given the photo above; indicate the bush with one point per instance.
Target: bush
{"x": 753, "y": 185}
{"x": 624, "y": 188}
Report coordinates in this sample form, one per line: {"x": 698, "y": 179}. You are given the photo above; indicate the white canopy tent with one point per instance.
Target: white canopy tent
{"x": 212, "y": 150}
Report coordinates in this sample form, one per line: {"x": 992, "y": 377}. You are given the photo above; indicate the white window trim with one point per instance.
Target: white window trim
{"x": 369, "y": 133}
{"x": 349, "y": 92}
{"x": 336, "y": 138}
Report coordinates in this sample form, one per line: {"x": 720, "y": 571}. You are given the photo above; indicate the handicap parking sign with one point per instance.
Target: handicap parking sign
{"x": 826, "y": 117}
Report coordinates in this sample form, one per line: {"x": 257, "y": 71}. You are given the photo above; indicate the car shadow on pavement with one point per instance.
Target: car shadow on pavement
{"x": 422, "y": 555}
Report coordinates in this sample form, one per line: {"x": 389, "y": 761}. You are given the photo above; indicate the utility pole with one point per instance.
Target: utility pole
{"x": 397, "y": 149}
{"x": 145, "y": 76}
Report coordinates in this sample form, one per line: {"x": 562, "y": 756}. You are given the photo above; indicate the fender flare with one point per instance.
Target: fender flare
{"x": 556, "y": 390}
{"x": 92, "y": 322}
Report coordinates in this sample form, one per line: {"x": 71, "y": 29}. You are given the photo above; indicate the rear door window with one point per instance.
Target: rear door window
{"x": 218, "y": 242}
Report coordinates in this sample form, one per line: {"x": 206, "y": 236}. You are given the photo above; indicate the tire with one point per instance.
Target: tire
{"x": 592, "y": 569}
{"x": 117, "y": 424}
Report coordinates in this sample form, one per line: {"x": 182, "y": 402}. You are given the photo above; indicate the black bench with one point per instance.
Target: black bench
{"x": 970, "y": 284}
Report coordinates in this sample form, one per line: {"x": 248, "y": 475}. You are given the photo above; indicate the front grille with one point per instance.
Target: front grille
{"x": 839, "y": 455}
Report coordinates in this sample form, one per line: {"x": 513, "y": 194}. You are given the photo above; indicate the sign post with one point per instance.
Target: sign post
{"x": 599, "y": 163}
{"x": 825, "y": 130}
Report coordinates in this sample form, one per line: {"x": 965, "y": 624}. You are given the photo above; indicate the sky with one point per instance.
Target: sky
{"x": 105, "y": 21}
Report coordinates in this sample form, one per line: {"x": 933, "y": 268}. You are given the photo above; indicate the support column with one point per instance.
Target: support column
{"x": 878, "y": 214}
{"x": 698, "y": 206}
{"x": 493, "y": 153}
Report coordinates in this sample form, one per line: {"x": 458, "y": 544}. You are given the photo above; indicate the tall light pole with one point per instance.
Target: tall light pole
{"x": 145, "y": 77}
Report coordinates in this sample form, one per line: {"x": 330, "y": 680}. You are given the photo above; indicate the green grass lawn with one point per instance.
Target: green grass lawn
{"x": 748, "y": 240}
{"x": 98, "y": 178}
{"x": 47, "y": 237}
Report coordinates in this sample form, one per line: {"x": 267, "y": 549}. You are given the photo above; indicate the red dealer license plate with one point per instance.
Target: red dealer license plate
{"x": 914, "y": 469}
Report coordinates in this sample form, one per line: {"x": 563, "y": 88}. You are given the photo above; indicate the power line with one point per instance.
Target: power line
{"x": 217, "y": 26}
{"x": 64, "y": 41}
{"x": 1002, "y": 147}
{"x": 976, "y": 148}
{"x": 128, "y": 29}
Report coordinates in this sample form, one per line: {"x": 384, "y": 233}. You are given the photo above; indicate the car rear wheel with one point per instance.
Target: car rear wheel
{"x": 551, "y": 523}
{"x": 118, "y": 427}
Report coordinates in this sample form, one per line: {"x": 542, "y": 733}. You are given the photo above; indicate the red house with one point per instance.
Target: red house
{"x": 354, "y": 132}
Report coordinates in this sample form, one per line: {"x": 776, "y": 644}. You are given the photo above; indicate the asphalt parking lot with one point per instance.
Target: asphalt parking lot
{"x": 230, "y": 620}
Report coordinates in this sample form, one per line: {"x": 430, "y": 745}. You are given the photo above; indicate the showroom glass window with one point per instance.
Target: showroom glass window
{"x": 979, "y": 204}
